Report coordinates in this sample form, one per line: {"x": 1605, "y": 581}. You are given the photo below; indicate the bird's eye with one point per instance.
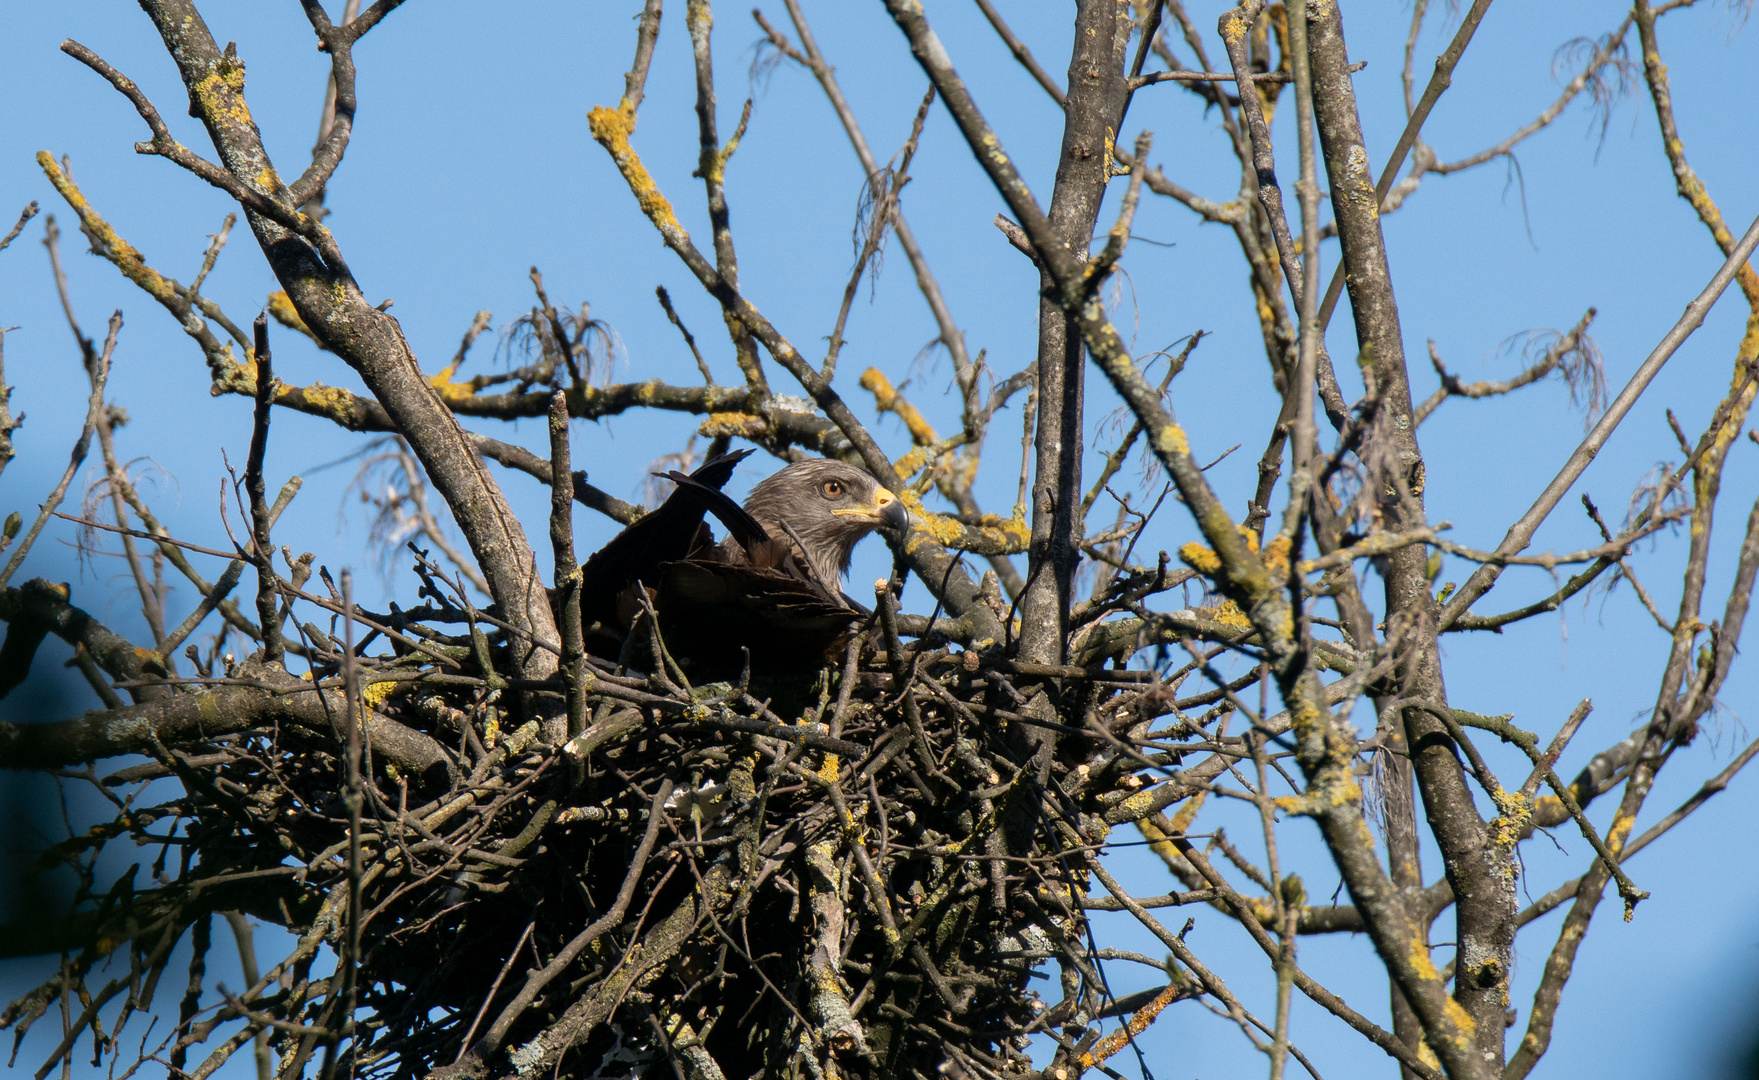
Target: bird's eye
{"x": 833, "y": 489}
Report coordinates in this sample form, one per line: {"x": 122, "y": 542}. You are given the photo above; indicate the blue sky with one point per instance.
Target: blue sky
{"x": 471, "y": 163}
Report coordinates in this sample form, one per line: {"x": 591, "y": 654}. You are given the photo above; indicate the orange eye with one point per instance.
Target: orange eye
{"x": 833, "y": 489}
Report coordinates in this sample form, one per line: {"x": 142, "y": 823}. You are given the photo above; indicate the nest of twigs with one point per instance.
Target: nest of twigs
{"x": 857, "y": 872}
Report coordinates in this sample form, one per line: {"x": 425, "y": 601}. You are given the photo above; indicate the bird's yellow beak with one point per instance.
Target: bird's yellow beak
{"x": 883, "y": 510}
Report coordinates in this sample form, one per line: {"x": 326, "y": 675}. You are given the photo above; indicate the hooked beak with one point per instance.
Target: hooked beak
{"x": 885, "y": 511}
{"x": 892, "y": 514}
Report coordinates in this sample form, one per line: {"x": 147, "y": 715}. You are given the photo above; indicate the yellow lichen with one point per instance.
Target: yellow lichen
{"x": 944, "y": 529}
{"x": 1342, "y": 791}
{"x": 612, "y": 128}
{"x": 733, "y": 423}
{"x": 1014, "y": 526}
{"x": 1171, "y": 440}
{"x": 1266, "y": 315}
{"x": 374, "y": 695}
{"x": 1425, "y": 970}
{"x": 1135, "y": 1025}
{"x": 281, "y": 307}
{"x": 331, "y": 400}
{"x": 886, "y": 399}
{"x": 1461, "y": 1019}
{"x": 1276, "y": 555}
{"x": 1426, "y": 1054}
{"x": 221, "y": 94}
{"x": 1227, "y": 613}
{"x": 911, "y": 463}
{"x": 1188, "y": 813}
{"x": 1514, "y": 821}
{"x": 1419, "y": 957}
{"x": 118, "y": 250}
{"x": 994, "y": 534}
{"x": 1549, "y": 809}
{"x": 1200, "y": 559}
{"x": 451, "y": 392}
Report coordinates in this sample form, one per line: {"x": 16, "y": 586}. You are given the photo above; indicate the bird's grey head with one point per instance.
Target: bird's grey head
{"x": 829, "y": 506}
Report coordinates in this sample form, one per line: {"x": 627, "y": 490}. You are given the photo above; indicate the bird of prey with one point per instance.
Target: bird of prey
{"x": 770, "y": 590}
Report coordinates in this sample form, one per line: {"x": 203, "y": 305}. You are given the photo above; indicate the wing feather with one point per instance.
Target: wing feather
{"x": 710, "y": 610}
{"x": 665, "y": 535}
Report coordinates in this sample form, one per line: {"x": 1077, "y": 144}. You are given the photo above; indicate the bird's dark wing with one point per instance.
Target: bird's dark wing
{"x": 665, "y": 535}
{"x": 709, "y": 610}
{"x": 741, "y": 526}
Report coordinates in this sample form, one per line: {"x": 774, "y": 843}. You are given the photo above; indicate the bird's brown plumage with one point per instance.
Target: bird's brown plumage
{"x": 770, "y": 590}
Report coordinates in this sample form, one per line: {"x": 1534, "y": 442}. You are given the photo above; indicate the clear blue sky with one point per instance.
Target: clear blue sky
{"x": 471, "y": 162}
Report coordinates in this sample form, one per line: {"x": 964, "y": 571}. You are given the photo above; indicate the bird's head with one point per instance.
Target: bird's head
{"x": 829, "y": 506}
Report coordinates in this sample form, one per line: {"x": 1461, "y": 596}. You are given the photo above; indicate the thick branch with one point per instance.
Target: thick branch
{"x": 330, "y": 303}
{"x": 271, "y": 698}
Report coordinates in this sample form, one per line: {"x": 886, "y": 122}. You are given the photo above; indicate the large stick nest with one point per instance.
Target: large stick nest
{"x": 856, "y": 873}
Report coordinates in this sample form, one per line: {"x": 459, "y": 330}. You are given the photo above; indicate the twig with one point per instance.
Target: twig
{"x": 262, "y": 551}
{"x": 1273, "y": 78}
{"x": 1452, "y": 386}
{"x": 353, "y": 801}
{"x": 882, "y": 196}
{"x": 1023, "y": 54}
{"x": 567, "y": 571}
{"x": 98, "y": 373}
{"x": 671, "y": 314}
{"x": 1548, "y": 760}
{"x": 24, "y": 217}
{"x": 494, "y": 988}
{"x": 1625, "y": 568}
{"x": 964, "y": 371}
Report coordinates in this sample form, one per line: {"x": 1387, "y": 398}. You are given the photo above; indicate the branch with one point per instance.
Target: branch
{"x": 184, "y": 304}
{"x": 1521, "y": 532}
{"x": 1234, "y": 27}
{"x": 262, "y": 549}
{"x": 635, "y": 80}
{"x": 1604, "y": 53}
{"x": 567, "y": 568}
{"x": 1271, "y": 78}
{"x": 268, "y": 698}
{"x": 162, "y": 144}
{"x": 24, "y": 217}
{"x": 339, "y": 114}
{"x": 1451, "y": 386}
{"x": 312, "y": 270}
